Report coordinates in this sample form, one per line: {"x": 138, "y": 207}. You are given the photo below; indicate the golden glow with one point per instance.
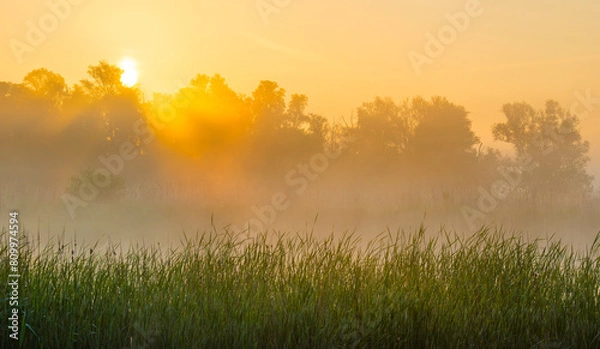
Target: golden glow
{"x": 130, "y": 73}
{"x": 506, "y": 54}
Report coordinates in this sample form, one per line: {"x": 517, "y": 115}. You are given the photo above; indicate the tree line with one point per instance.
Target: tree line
{"x": 47, "y": 124}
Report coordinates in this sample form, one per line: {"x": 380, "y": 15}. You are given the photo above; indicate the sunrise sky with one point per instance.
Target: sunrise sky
{"x": 339, "y": 53}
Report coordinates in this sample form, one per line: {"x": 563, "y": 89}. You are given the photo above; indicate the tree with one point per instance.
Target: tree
{"x": 551, "y": 140}
{"x": 203, "y": 118}
{"x": 216, "y": 114}
{"x": 442, "y": 143}
{"x": 295, "y": 116}
{"x": 318, "y": 128}
{"x": 26, "y": 117}
{"x": 268, "y": 107}
{"x": 108, "y": 104}
{"x": 381, "y": 131}
{"x": 106, "y": 80}
{"x": 310, "y": 129}
{"x": 48, "y": 85}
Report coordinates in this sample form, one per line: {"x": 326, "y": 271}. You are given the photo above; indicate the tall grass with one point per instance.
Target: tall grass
{"x": 295, "y": 290}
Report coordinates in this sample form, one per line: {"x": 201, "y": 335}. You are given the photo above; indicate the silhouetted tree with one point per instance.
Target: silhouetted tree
{"x": 282, "y": 135}
{"x": 443, "y": 143}
{"x": 48, "y": 85}
{"x": 106, "y": 80}
{"x": 318, "y": 128}
{"x": 309, "y": 129}
{"x": 550, "y": 141}
{"x": 26, "y": 118}
{"x": 204, "y": 119}
{"x": 268, "y": 107}
{"x": 295, "y": 116}
{"x": 381, "y": 132}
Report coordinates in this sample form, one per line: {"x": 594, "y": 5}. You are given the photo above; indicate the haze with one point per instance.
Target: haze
{"x": 340, "y": 54}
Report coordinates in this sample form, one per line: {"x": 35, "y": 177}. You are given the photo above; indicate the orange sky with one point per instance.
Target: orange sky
{"x": 339, "y": 53}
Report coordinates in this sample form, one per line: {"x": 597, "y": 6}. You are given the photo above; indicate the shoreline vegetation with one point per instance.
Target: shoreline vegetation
{"x": 219, "y": 289}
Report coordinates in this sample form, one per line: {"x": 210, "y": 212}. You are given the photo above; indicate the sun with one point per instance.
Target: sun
{"x": 130, "y": 73}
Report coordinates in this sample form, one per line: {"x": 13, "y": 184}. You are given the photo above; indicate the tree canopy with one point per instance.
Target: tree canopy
{"x": 552, "y": 139}
{"x": 270, "y": 132}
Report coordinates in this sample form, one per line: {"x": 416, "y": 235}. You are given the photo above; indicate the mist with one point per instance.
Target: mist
{"x": 99, "y": 161}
